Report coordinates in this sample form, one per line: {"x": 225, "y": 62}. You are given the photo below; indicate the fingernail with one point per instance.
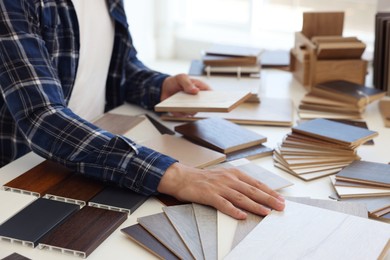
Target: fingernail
{"x": 280, "y": 198}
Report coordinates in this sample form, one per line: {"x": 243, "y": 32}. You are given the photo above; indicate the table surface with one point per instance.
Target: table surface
{"x": 274, "y": 84}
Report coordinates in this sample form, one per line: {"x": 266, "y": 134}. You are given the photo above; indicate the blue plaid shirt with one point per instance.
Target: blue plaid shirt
{"x": 39, "y": 51}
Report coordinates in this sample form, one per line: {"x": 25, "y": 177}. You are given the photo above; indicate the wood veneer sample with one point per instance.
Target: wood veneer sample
{"x": 143, "y": 238}
{"x": 364, "y": 172}
{"x": 29, "y": 225}
{"x": 204, "y": 101}
{"x": 15, "y": 256}
{"x": 271, "y": 111}
{"x": 325, "y": 130}
{"x": 183, "y": 150}
{"x": 159, "y": 226}
{"x": 182, "y": 218}
{"x": 39, "y": 179}
{"x": 317, "y": 234}
{"x": 372, "y": 204}
{"x": 322, "y": 24}
{"x": 83, "y": 231}
{"x": 250, "y": 153}
{"x": 348, "y": 192}
{"x": 168, "y": 200}
{"x": 12, "y": 202}
{"x": 206, "y": 221}
{"x": 76, "y": 189}
{"x": 220, "y": 135}
{"x": 118, "y": 124}
{"x": 244, "y": 227}
{"x": 117, "y": 199}
{"x": 384, "y": 108}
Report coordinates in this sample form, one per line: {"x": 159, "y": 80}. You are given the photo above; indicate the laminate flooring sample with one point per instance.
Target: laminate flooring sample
{"x": 117, "y": 199}
{"x": 244, "y": 227}
{"x": 250, "y": 153}
{"x": 12, "y": 202}
{"x": 306, "y": 232}
{"x": 204, "y": 101}
{"x": 159, "y": 226}
{"x": 29, "y": 225}
{"x": 118, "y": 124}
{"x": 220, "y": 135}
{"x": 206, "y": 221}
{"x": 83, "y": 231}
{"x": 39, "y": 179}
{"x": 142, "y": 237}
{"x": 183, "y": 220}
{"x": 143, "y": 131}
{"x": 15, "y": 256}
{"x": 75, "y": 189}
{"x": 183, "y": 150}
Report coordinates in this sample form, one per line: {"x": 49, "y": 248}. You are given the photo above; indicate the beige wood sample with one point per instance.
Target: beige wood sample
{"x": 244, "y": 227}
{"x": 160, "y": 227}
{"x": 340, "y": 50}
{"x": 206, "y": 220}
{"x": 184, "y": 151}
{"x": 142, "y": 131}
{"x": 271, "y": 111}
{"x": 306, "y": 232}
{"x": 322, "y": 24}
{"x": 204, "y": 101}
{"x": 118, "y": 124}
{"x": 183, "y": 220}
{"x": 384, "y": 108}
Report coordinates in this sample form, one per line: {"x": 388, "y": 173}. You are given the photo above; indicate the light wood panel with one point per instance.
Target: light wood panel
{"x": 206, "y": 220}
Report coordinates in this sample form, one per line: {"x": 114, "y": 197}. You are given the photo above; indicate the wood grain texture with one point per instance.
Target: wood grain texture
{"x": 322, "y": 24}
{"x": 244, "y": 227}
{"x": 159, "y": 226}
{"x": 183, "y": 220}
{"x": 183, "y": 150}
{"x": 250, "y": 153}
{"x": 83, "y": 231}
{"x": 143, "y": 238}
{"x": 317, "y": 234}
{"x": 384, "y": 108}
{"x": 118, "y": 124}
{"x": 206, "y": 221}
{"x": 207, "y": 132}
{"x": 76, "y": 189}
{"x": 117, "y": 199}
{"x": 35, "y": 220}
{"x": 372, "y": 204}
{"x": 271, "y": 111}
{"x": 15, "y": 256}
{"x": 39, "y": 179}
{"x": 204, "y": 101}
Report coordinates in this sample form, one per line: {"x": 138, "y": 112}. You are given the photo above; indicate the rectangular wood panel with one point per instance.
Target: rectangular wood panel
{"x": 83, "y": 231}
{"x": 118, "y": 124}
{"x": 12, "y": 202}
{"x": 29, "y": 225}
{"x": 206, "y": 221}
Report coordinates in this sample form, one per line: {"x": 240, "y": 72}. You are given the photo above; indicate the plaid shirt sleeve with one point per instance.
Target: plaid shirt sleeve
{"x": 33, "y": 94}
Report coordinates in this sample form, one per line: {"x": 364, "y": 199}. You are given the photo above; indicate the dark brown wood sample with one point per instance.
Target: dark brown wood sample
{"x": 15, "y": 256}
{"x": 76, "y": 189}
{"x": 35, "y": 220}
{"x": 118, "y": 124}
{"x": 159, "y": 226}
{"x": 114, "y": 198}
{"x": 39, "y": 179}
{"x": 83, "y": 231}
{"x": 220, "y": 135}
{"x": 142, "y": 237}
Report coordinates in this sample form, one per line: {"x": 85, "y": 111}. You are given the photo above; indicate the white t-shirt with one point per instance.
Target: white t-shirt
{"x": 96, "y": 43}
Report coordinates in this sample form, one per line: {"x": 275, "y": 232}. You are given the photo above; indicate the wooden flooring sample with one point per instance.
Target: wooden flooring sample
{"x": 83, "y": 231}
{"x": 117, "y": 199}
{"x": 220, "y": 135}
{"x": 270, "y": 111}
{"x": 204, "y": 101}
{"x": 118, "y": 124}
{"x": 345, "y": 134}
{"x": 183, "y": 220}
{"x": 250, "y": 153}
{"x": 364, "y": 172}
{"x": 12, "y": 202}
{"x": 143, "y": 238}
{"x": 76, "y": 189}
{"x": 372, "y": 204}
{"x": 15, "y": 256}
{"x": 244, "y": 227}
{"x": 306, "y": 232}
{"x": 183, "y": 150}
{"x": 159, "y": 226}
{"x": 29, "y": 225}
{"x": 39, "y": 179}
{"x": 143, "y": 131}
{"x": 206, "y": 221}
{"x": 384, "y": 108}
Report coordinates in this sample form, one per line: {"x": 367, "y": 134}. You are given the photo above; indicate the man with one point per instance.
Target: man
{"x": 62, "y": 64}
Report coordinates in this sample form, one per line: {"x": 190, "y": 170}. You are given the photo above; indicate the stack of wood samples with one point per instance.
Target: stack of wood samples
{"x": 338, "y": 99}
{"x": 384, "y": 108}
{"x": 381, "y": 61}
{"x": 320, "y": 147}
{"x": 365, "y": 179}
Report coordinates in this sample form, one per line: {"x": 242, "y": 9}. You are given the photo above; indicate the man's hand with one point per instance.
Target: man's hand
{"x": 181, "y": 82}
{"x": 228, "y": 190}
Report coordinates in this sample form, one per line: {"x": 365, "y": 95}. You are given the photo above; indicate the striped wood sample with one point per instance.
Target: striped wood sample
{"x": 206, "y": 221}
{"x": 183, "y": 220}
{"x": 83, "y": 231}
{"x": 142, "y": 237}
{"x": 159, "y": 226}
{"x": 317, "y": 234}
